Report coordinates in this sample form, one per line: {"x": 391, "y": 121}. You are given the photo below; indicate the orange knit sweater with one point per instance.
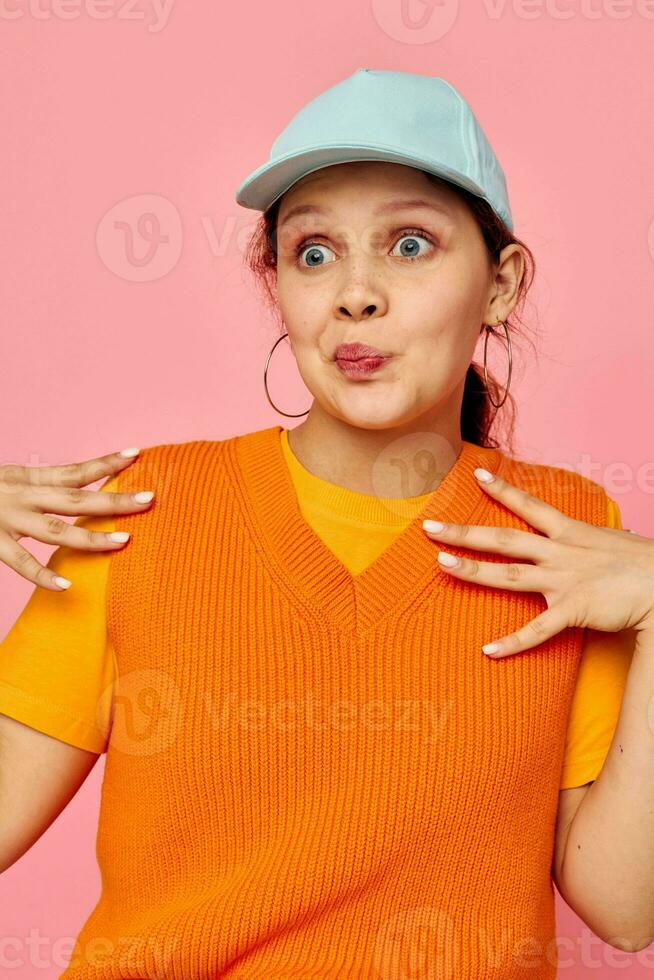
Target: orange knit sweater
{"x": 314, "y": 774}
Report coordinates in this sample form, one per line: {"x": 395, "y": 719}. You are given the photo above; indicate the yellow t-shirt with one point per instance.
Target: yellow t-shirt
{"x": 57, "y": 660}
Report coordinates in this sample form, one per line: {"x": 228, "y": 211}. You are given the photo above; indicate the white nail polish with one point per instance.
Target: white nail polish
{"x": 119, "y": 536}
{"x": 450, "y": 560}
{"x": 144, "y": 497}
{"x": 132, "y": 451}
{"x": 62, "y": 582}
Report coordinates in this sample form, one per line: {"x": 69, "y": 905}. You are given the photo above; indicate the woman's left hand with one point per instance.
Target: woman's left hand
{"x": 596, "y": 577}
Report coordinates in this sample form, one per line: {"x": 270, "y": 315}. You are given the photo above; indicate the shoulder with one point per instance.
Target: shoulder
{"x": 192, "y": 462}
{"x": 570, "y": 491}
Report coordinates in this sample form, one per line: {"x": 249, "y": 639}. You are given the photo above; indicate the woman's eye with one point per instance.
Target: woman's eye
{"x": 313, "y": 251}
{"x": 313, "y": 254}
{"x": 410, "y": 250}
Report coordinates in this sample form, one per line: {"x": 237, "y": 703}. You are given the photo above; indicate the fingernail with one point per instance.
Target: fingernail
{"x": 435, "y": 526}
{"x": 132, "y": 451}
{"x": 450, "y": 560}
{"x": 119, "y": 536}
{"x": 491, "y": 648}
{"x": 62, "y": 582}
{"x": 484, "y": 475}
{"x": 144, "y": 497}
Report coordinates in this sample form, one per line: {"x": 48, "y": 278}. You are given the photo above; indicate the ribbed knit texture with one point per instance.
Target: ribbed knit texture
{"x": 313, "y": 774}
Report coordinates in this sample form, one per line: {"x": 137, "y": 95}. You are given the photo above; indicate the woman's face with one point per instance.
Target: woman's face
{"x": 362, "y": 262}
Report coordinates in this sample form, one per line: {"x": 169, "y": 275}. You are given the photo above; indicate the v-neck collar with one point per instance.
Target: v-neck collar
{"x": 314, "y": 573}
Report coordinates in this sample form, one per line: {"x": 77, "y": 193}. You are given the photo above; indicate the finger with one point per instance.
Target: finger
{"x": 18, "y": 558}
{"x": 503, "y": 575}
{"x": 619, "y": 530}
{"x": 533, "y": 510}
{"x": 503, "y": 540}
{"x": 73, "y": 501}
{"x": 541, "y": 628}
{"x": 52, "y": 530}
{"x": 69, "y": 474}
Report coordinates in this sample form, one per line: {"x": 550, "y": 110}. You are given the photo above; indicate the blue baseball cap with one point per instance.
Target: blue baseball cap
{"x": 398, "y": 116}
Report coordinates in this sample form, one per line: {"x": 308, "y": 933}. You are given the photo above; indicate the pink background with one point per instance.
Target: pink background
{"x": 112, "y": 337}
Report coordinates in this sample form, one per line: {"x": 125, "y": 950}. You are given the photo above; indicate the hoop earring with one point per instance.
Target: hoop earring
{"x": 489, "y": 330}
{"x": 265, "y": 384}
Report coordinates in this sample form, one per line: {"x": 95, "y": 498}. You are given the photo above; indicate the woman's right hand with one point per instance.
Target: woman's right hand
{"x": 29, "y": 495}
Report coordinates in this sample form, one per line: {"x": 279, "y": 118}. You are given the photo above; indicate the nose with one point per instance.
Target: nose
{"x": 360, "y": 297}
{"x": 352, "y": 312}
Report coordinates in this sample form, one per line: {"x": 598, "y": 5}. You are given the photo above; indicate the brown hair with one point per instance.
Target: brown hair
{"x": 478, "y": 414}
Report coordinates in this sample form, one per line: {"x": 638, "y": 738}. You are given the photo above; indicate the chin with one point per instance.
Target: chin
{"x": 373, "y": 416}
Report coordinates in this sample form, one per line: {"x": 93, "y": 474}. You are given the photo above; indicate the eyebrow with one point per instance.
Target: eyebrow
{"x": 389, "y": 208}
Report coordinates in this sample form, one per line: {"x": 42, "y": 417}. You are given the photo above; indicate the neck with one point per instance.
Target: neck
{"x": 403, "y": 461}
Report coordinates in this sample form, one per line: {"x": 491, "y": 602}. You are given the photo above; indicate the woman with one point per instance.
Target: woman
{"x": 312, "y": 768}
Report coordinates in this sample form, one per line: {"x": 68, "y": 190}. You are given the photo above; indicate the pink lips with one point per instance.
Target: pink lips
{"x": 352, "y": 352}
{"x": 359, "y": 360}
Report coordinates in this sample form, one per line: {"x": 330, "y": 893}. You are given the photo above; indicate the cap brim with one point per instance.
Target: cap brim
{"x": 272, "y": 179}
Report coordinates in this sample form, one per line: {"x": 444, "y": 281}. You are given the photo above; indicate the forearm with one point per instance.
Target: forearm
{"x": 607, "y": 873}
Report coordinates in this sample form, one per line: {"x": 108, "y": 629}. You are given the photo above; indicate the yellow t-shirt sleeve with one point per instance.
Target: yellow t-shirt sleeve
{"x": 597, "y": 698}
{"x": 57, "y": 665}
